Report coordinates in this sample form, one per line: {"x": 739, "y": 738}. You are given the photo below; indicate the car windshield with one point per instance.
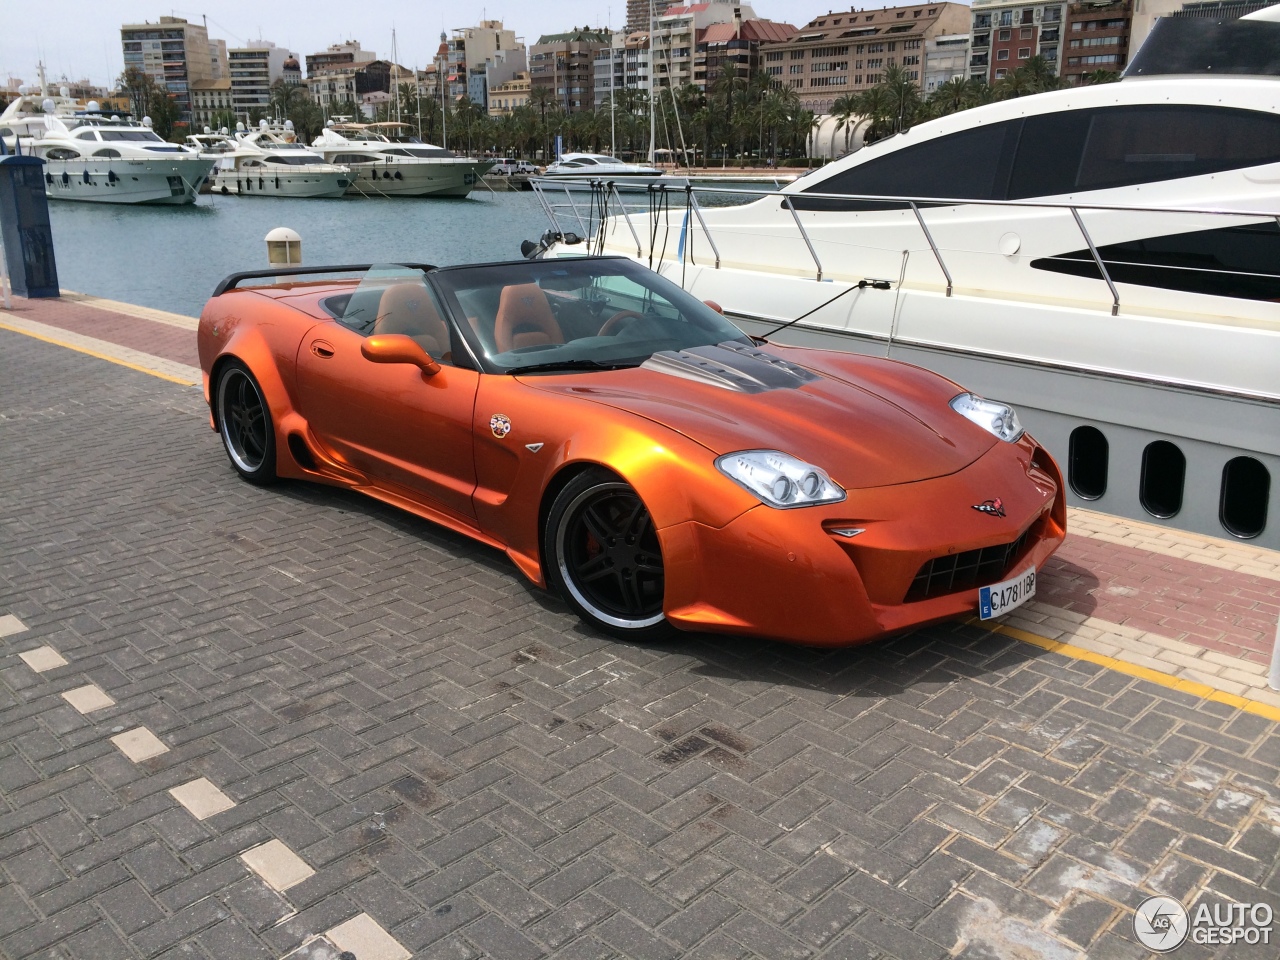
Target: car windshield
{"x": 566, "y": 314}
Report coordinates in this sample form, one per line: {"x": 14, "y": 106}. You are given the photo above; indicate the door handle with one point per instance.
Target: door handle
{"x": 322, "y": 349}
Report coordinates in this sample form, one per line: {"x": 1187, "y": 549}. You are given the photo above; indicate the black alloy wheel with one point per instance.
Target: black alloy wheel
{"x": 244, "y": 421}
{"x": 604, "y": 558}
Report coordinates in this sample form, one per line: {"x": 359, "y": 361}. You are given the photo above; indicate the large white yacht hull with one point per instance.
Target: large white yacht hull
{"x": 426, "y": 179}
{"x": 126, "y": 181}
{"x": 270, "y": 184}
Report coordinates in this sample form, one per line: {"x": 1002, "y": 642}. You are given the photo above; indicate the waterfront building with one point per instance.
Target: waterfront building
{"x": 638, "y": 13}
{"x": 946, "y": 57}
{"x": 482, "y": 57}
{"x": 564, "y": 64}
{"x": 738, "y": 42}
{"x": 208, "y": 98}
{"x": 509, "y": 94}
{"x": 622, "y": 64}
{"x": 338, "y": 58}
{"x": 1008, "y": 33}
{"x": 1096, "y": 37}
{"x": 254, "y": 68}
{"x": 845, "y": 52}
{"x": 173, "y": 53}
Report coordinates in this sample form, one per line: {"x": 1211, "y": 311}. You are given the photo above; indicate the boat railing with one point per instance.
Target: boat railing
{"x": 606, "y": 201}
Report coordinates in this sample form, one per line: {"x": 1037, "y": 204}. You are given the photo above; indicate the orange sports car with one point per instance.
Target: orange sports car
{"x": 629, "y": 448}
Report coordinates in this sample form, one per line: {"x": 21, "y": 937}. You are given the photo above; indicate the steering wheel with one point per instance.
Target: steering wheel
{"x": 612, "y": 326}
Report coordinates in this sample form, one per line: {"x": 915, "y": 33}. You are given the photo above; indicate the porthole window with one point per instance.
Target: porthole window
{"x": 1164, "y": 472}
{"x": 1087, "y": 457}
{"x": 1246, "y": 488}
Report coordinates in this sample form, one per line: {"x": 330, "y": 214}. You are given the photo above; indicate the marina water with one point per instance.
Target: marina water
{"x": 171, "y": 258}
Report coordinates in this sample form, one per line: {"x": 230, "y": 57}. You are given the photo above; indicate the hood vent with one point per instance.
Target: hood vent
{"x": 740, "y": 367}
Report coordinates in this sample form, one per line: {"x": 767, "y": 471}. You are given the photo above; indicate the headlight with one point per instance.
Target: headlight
{"x": 779, "y": 479}
{"x": 991, "y": 415}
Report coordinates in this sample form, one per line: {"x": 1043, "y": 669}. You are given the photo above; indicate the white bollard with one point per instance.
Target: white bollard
{"x": 284, "y": 247}
{"x": 1274, "y": 679}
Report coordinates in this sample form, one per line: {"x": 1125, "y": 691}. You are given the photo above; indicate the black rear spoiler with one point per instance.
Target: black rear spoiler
{"x": 232, "y": 281}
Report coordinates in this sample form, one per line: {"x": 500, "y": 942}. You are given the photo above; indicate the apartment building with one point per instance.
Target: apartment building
{"x": 209, "y": 98}
{"x": 480, "y": 57}
{"x": 1008, "y": 33}
{"x": 254, "y": 69}
{"x": 339, "y": 56}
{"x": 173, "y": 53}
{"x": 946, "y": 58}
{"x": 638, "y": 12}
{"x": 737, "y": 42}
{"x": 506, "y": 96}
{"x": 844, "y": 52}
{"x": 565, "y": 64}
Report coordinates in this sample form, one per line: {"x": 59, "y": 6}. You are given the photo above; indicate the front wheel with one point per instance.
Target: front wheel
{"x": 604, "y": 558}
{"x": 244, "y": 421}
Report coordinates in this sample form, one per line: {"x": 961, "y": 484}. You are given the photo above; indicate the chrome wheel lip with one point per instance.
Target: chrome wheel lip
{"x": 562, "y": 563}
{"x": 231, "y": 437}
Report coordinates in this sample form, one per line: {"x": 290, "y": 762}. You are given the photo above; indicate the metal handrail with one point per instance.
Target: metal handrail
{"x": 804, "y": 233}
{"x": 912, "y": 203}
{"x": 697, "y": 212}
{"x": 1115, "y": 294}
{"x": 932, "y": 246}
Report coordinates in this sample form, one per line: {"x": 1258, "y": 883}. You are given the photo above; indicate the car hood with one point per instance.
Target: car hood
{"x": 865, "y": 432}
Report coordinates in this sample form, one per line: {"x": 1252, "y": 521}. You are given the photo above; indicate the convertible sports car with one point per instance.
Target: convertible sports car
{"x": 631, "y": 449}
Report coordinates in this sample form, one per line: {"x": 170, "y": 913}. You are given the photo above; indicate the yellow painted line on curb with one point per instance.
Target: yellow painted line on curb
{"x": 101, "y": 356}
{"x": 1193, "y": 687}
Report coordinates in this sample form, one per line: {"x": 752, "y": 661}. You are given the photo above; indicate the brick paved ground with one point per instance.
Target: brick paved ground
{"x": 464, "y": 765}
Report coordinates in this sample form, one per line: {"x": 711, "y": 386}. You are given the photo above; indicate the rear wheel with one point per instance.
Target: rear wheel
{"x": 244, "y": 421}
{"x": 604, "y": 558}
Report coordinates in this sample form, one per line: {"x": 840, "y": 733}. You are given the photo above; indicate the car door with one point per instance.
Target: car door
{"x": 391, "y": 421}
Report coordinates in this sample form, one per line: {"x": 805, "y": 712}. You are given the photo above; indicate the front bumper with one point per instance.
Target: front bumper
{"x": 788, "y": 575}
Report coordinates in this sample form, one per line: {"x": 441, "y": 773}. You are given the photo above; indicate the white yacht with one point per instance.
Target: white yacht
{"x": 1107, "y": 258}
{"x": 101, "y": 159}
{"x": 22, "y": 122}
{"x": 267, "y": 163}
{"x": 386, "y": 161}
{"x": 579, "y": 170}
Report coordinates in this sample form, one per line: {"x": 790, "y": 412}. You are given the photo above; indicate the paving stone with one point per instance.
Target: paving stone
{"x": 275, "y": 863}
{"x": 88, "y": 698}
{"x": 201, "y": 798}
{"x": 11, "y": 625}
{"x": 139, "y": 744}
{"x": 42, "y": 659}
{"x": 362, "y": 937}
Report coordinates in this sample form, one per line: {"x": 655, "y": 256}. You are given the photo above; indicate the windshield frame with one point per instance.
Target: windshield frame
{"x": 717, "y": 328}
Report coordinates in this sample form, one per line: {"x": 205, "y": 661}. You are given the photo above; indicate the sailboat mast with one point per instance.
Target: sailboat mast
{"x": 395, "y": 66}
{"x": 653, "y": 81}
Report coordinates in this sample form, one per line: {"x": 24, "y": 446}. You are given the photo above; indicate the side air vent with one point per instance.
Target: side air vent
{"x": 301, "y": 452}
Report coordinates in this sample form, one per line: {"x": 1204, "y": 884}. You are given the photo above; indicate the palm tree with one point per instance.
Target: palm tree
{"x": 957, "y": 94}
{"x": 1100, "y": 76}
{"x": 543, "y": 99}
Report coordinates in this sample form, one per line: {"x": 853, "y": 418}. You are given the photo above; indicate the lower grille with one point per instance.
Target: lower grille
{"x": 964, "y": 571}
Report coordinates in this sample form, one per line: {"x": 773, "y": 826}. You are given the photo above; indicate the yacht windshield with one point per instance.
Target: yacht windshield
{"x": 144, "y": 135}
{"x": 588, "y": 313}
{"x": 295, "y": 159}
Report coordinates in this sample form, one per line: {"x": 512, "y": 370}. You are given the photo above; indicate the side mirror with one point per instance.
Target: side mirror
{"x": 714, "y": 306}
{"x": 397, "y": 348}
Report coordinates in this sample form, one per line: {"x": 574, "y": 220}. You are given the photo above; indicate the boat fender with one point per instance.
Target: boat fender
{"x": 111, "y": 176}
{"x": 386, "y": 175}
{"x": 48, "y": 178}
{"x": 398, "y": 176}
{"x": 277, "y": 181}
{"x": 260, "y": 183}
{"x": 86, "y": 177}
{"x": 225, "y": 191}
{"x": 66, "y": 178}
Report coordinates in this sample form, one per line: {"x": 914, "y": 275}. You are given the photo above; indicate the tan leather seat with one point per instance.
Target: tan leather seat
{"x": 524, "y": 319}
{"x": 407, "y": 308}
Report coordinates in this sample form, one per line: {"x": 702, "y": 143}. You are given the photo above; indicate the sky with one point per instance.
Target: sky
{"x": 83, "y": 40}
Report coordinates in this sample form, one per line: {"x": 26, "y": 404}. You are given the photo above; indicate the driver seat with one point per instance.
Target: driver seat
{"x": 407, "y": 308}
{"x": 524, "y": 319}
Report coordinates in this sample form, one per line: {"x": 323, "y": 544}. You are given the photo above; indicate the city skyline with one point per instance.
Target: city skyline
{"x": 86, "y": 44}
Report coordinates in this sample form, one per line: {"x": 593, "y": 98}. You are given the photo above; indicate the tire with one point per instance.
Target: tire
{"x": 244, "y": 423}
{"x": 604, "y": 558}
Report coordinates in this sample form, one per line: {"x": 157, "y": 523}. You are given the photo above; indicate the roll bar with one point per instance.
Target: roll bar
{"x": 232, "y": 281}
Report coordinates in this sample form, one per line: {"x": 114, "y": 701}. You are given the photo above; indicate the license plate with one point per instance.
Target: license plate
{"x": 1000, "y": 598}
